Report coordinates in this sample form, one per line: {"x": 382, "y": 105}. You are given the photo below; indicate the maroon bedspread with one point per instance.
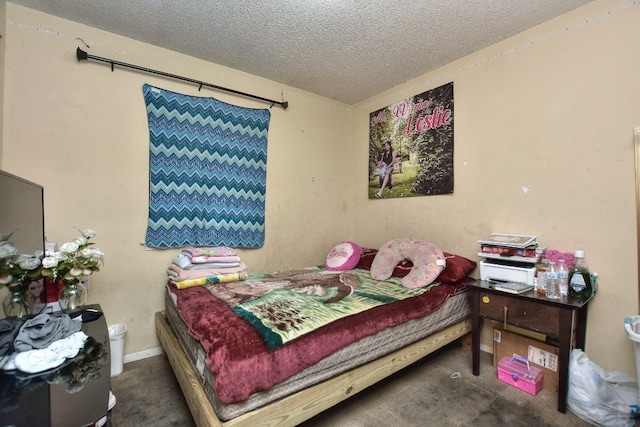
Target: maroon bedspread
{"x": 243, "y": 363}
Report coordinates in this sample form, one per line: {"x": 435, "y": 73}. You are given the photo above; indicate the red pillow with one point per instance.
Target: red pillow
{"x": 366, "y": 258}
{"x": 458, "y": 267}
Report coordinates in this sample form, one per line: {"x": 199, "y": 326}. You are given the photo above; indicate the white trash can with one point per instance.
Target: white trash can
{"x": 116, "y": 338}
{"x": 632, "y": 326}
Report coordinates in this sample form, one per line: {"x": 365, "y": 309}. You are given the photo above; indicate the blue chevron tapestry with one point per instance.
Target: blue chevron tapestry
{"x": 208, "y": 170}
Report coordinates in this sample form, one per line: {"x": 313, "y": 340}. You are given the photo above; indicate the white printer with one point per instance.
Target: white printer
{"x": 509, "y": 258}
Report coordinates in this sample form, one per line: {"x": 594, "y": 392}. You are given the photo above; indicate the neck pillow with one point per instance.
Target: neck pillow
{"x": 428, "y": 261}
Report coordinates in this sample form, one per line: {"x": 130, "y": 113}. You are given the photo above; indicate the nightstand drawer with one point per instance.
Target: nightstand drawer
{"x": 520, "y": 312}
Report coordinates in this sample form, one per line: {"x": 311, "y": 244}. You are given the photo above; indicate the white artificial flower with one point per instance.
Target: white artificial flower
{"x": 7, "y": 250}
{"x": 49, "y": 262}
{"x": 16, "y": 270}
{"x": 87, "y": 252}
{"x": 74, "y": 259}
{"x": 20, "y": 257}
{"x": 92, "y": 253}
{"x": 60, "y": 257}
{"x": 29, "y": 263}
{"x": 69, "y": 247}
{"x": 88, "y": 233}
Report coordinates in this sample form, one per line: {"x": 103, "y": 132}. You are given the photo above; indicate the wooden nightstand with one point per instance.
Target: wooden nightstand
{"x": 563, "y": 322}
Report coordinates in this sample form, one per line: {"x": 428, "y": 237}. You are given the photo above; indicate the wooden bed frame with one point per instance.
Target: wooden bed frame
{"x": 298, "y": 407}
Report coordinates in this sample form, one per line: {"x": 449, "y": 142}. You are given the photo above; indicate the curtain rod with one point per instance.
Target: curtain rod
{"x": 81, "y": 54}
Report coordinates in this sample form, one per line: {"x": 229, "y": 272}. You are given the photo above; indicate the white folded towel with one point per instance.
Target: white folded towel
{"x": 184, "y": 261}
{"x": 54, "y": 355}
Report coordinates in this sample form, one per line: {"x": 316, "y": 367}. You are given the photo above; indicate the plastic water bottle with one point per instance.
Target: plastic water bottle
{"x": 579, "y": 278}
{"x": 553, "y": 281}
{"x": 563, "y": 278}
{"x": 541, "y": 276}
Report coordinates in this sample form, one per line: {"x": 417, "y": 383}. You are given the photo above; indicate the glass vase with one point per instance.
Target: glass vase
{"x": 72, "y": 297}
{"x": 16, "y": 305}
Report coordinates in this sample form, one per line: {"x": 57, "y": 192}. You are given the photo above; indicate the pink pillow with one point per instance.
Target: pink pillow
{"x": 428, "y": 261}
{"x": 344, "y": 256}
{"x": 368, "y": 255}
{"x": 457, "y": 268}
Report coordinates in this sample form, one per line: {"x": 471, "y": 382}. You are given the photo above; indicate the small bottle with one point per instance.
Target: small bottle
{"x": 541, "y": 275}
{"x": 563, "y": 278}
{"x": 579, "y": 278}
{"x": 553, "y": 282}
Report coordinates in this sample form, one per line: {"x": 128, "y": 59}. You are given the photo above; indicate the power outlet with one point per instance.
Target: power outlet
{"x": 85, "y": 281}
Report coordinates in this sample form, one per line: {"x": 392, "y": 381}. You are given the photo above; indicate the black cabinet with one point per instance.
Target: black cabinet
{"x": 74, "y": 394}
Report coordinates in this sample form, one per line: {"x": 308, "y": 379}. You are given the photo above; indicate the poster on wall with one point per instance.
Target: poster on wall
{"x": 411, "y": 146}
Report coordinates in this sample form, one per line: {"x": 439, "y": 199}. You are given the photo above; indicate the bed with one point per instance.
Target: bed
{"x": 291, "y": 379}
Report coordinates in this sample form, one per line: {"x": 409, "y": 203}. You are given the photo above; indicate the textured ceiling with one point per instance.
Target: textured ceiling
{"x": 347, "y": 50}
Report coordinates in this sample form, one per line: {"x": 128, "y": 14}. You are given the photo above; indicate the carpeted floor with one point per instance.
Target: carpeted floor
{"x": 437, "y": 391}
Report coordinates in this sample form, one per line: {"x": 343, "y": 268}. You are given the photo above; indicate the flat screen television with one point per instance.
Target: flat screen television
{"x": 22, "y": 213}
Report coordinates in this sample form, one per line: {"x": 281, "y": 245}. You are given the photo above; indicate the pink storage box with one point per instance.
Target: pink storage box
{"x": 517, "y": 372}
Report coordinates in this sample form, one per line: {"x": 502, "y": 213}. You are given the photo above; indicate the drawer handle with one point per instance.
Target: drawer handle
{"x": 506, "y": 311}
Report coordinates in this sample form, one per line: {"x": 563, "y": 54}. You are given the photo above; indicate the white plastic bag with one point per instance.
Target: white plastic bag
{"x": 600, "y": 397}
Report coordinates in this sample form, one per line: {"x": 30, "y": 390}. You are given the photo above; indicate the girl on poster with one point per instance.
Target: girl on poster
{"x": 385, "y": 167}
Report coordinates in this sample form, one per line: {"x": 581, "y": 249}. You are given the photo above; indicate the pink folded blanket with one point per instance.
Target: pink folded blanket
{"x": 176, "y": 273}
{"x": 203, "y": 259}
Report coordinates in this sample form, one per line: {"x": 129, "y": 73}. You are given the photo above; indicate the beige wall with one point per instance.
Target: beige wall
{"x": 81, "y": 131}
{"x": 3, "y": 11}
{"x": 552, "y": 109}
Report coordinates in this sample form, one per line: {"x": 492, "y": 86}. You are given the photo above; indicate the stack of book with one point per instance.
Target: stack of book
{"x": 512, "y": 247}
{"x": 509, "y": 258}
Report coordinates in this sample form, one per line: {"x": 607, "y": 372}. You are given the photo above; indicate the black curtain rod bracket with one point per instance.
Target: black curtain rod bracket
{"x": 82, "y": 55}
